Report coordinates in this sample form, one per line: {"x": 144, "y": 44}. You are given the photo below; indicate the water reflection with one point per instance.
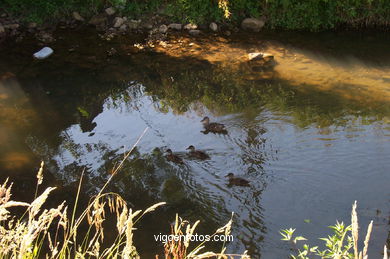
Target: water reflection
{"x": 307, "y": 153}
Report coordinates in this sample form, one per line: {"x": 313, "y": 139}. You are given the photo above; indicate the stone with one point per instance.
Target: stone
{"x": 190, "y": 26}
{"x": 147, "y": 25}
{"x": 45, "y": 37}
{"x": 194, "y": 32}
{"x": 110, "y": 11}
{"x": 255, "y": 56}
{"x": 43, "y": 53}
{"x": 112, "y": 52}
{"x": 252, "y": 24}
{"x": 163, "y": 28}
{"x": 118, "y": 21}
{"x": 213, "y": 26}
{"x": 259, "y": 60}
{"x": 227, "y": 33}
{"x": 123, "y": 28}
{"x": 32, "y": 25}
{"x": 98, "y": 20}
{"x": 175, "y": 26}
{"x": 77, "y": 17}
{"x": 133, "y": 24}
{"x": 12, "y": 26}
{"x": 268, "y": 57}
{"x": 2, "y": 29}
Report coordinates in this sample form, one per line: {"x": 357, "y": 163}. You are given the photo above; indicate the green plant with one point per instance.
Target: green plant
{"x": 338, "y": 245}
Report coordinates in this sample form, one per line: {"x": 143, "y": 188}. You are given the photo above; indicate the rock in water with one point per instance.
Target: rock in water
{"x": 43, "y": 53}
{"x": 252, "y": 24}
{"x": 256, "y": 56}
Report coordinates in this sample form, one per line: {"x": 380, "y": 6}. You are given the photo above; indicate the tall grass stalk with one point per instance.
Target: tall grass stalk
{"x": 50, "y": 233}
{"x": 338, "y": 246}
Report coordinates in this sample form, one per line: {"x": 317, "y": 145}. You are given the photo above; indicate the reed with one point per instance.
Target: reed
{"x": 339, "y": 245}
{"x": 24, "y": 237}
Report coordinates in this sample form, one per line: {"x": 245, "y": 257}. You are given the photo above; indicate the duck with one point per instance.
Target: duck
{"x": 237, "y": 180}
{"x": 197, "y": 153}
{"x": 172, "y": 157}
{"x": 213, "y": 127}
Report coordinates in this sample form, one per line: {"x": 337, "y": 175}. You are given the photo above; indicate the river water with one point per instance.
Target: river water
{"x": 311, "y": 132}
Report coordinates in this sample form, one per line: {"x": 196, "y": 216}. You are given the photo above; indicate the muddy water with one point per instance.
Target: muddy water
{"x": 311, "y": 132}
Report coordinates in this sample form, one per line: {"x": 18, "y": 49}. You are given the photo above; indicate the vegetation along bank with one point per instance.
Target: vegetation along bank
{"x": 227, "y": 15}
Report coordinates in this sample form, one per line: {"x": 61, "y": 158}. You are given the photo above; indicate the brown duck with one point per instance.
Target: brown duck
{"x": 237, "y": 180}
{"x": 173, "y": 158}
{"x": 213, "y": 127}
{"x": 197, "y": 153}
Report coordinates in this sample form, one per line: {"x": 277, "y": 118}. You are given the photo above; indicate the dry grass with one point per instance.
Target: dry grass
{"x": 178, "y": 249}
{"x": 355, "y": 235}
{"x": 24, "y": 237}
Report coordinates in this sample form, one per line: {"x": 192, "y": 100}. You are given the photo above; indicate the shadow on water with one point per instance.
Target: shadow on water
{"x": 83, "y": 109}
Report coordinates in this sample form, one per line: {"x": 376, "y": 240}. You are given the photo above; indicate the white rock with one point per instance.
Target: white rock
{"x": 77, "y": 17}
{"x": 254, "y": 56}
{"x": 2, "y": 30}
{"x": 213, "y": 26}
{"x": 118, "y": 21}
{"x": 110, "y": 11}
{"x": 190, "y": 26}
{"x": 43, "y": 53}
{"x": 175, "y": 26}
{"x": 12, "y": 26}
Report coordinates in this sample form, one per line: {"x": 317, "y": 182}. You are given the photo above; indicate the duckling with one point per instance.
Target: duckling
{"x": 213, "y": 126}
{"x": 172, "y": 157}
{"x": 237, "y": 180}
{"x": 197, "y": 153}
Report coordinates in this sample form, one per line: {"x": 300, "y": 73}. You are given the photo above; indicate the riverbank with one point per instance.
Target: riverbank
{"x": 40, "y": 18}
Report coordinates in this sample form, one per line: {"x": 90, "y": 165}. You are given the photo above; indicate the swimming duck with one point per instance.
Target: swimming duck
{"x": 237, "y": 180}
{"x": 197, "y": 153}
{"x": 172, "y": 157}
{"x": 213, "y": 126}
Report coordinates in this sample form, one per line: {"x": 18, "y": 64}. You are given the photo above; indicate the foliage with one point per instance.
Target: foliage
{"x": 338, "y": 245}
{"x": 311, "y": 15}
{"x": 327, "y": 14}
